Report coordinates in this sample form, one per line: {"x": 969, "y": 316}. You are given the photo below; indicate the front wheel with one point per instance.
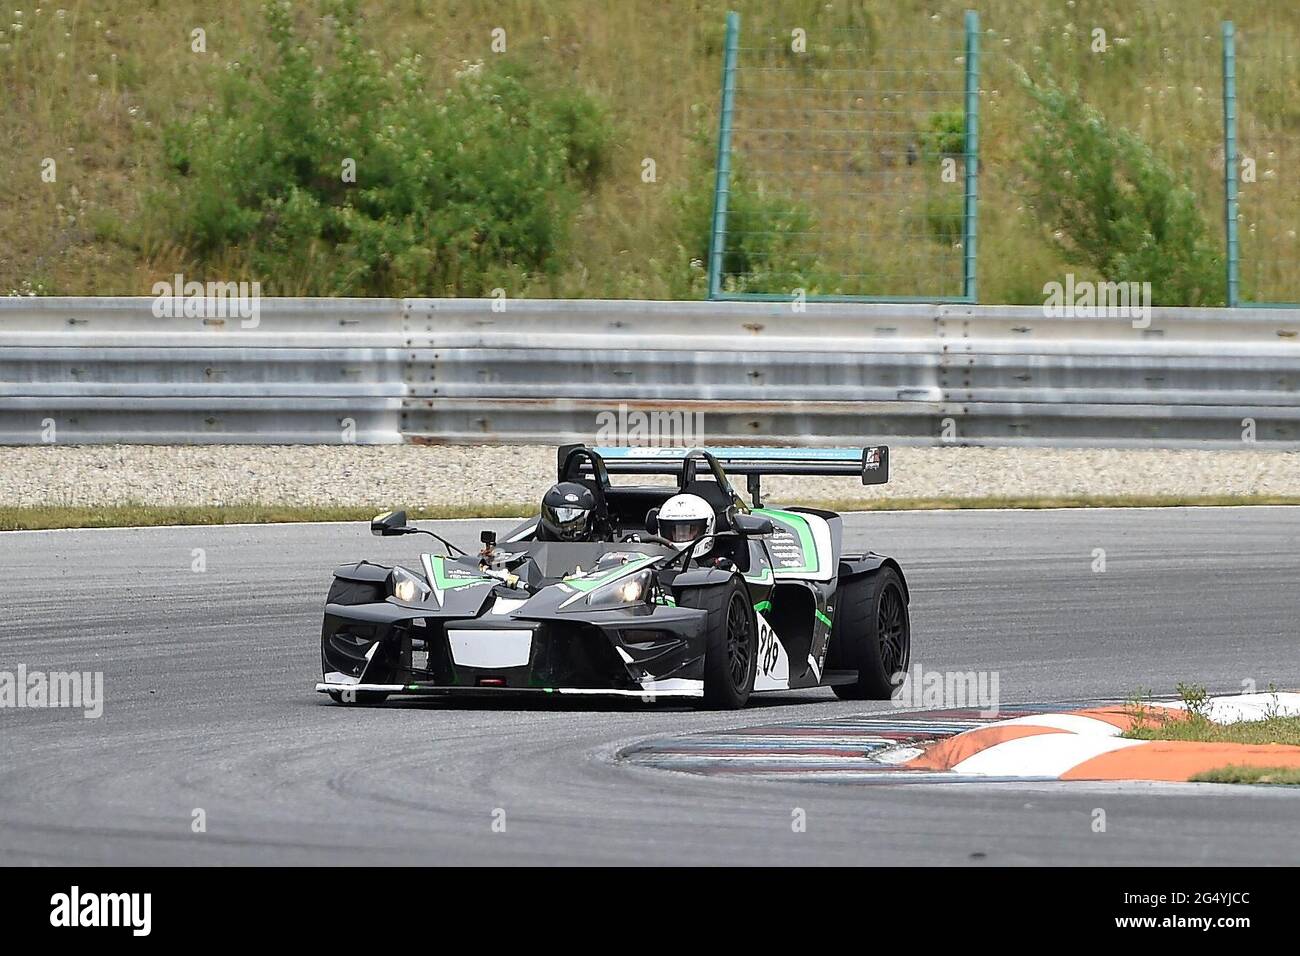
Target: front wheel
{"x": 731, "y": 643}
{"x": 873, "y": 631}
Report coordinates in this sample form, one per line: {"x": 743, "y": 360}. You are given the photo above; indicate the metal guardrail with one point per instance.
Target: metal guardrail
{"x": 108, "y": 370}
{"x": 456, "y": 370}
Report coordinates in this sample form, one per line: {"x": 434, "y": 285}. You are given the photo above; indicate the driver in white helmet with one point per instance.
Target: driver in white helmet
{"x": 683, "y": 518}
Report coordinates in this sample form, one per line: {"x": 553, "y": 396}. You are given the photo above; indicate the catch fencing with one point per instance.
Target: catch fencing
{"x": 849, "y": 162}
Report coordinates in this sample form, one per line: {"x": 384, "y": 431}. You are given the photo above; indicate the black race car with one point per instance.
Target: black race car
{"x": 774, "y": 604}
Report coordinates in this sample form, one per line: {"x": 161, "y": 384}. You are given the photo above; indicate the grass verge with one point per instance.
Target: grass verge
{"x": 1280, "y": 776}
{"x": 45, "y": 517}
{"x": 1080, "y": 501}
{"x": 1270, "y": 730}
{"x": 124, "y": 516}
{"x": 1194, "y": 724}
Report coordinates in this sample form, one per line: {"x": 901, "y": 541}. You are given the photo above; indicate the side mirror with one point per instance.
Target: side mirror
{"x": 753, "y": 525}
{"x": 652, "y": 521}
{"x": 389, "y": 523}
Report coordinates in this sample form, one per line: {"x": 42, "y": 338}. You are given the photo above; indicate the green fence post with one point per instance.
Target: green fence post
{"x": 972, "y": 149}
{"x": 1233, "y": 248}
{"x": 722, "y": 183}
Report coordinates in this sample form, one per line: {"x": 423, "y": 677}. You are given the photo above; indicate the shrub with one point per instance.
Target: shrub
{"x": 946, "y": 134}
{"x": 944, "y": 218}
{"x": 1107, "y": 198}
{"x": 763, "y": 251}
{"x": 453, "y": 194}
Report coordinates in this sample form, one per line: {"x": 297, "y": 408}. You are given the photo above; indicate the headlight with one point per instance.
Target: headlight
{"x": 407, "y": 587}
{"x": 632, "y": 589}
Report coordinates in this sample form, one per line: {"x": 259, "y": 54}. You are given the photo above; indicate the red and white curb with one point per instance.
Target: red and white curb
{"x": 1039, "y": 742}
{"x": 1086, "y": 744}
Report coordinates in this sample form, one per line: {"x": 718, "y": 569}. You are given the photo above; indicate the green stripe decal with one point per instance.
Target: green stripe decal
{"x": 585, "y": 583}
{"x": 796, "y": 524}
{"x": 445, "y": 583}
{"x": 762, "y": 606}
{"x": 823, "y": 618}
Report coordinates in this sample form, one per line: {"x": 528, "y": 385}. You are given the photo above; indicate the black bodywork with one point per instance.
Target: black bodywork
{"x": 526, "y": 615}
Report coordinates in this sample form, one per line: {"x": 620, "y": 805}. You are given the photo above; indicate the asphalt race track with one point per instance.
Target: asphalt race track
{"x": 209, "y": 705}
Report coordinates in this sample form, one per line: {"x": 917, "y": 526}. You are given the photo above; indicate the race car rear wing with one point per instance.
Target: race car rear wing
{"x": 871, "y": 463}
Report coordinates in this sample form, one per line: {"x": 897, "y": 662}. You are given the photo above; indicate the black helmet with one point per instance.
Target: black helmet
{"x": 568, "y": 512}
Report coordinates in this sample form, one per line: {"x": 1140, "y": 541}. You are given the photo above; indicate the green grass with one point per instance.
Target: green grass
{"x": 1271, "y": 730}
{"x": 44, "y": 517}
{"x": 1077, "y": 501}
{"x": 94, "y": 88}
{"x": 1279, "y": 776}
{"x": 126, "y": 516}
{"x": 1194, "y": 724}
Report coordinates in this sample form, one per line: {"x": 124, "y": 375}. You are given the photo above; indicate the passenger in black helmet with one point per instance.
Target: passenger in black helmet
{"x": 568, "y": 513}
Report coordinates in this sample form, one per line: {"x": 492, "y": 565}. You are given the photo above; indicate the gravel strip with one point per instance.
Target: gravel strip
{"x": 462, "y": 475}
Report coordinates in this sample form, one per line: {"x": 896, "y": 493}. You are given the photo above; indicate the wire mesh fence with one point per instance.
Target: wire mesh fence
{"x": 1141, "y": 200}
{"x": 1263, "y": 134}
{"x": 847, "y": 168}
{"x": 850, "y": 160}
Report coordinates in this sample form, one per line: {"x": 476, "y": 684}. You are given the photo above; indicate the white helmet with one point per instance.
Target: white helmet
{"x": 683, "y": 518}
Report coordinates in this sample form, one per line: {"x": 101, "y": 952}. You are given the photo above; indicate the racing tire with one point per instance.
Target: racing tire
{"x": 872, "y": 633}
{"x": 731, "y": 643}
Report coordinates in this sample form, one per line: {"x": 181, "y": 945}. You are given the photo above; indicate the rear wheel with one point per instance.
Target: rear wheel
{"x": 731, "y": 643}
{"x": 872, "y": 633}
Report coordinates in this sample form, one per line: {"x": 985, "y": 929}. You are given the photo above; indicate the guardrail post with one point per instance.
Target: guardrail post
{"x": 722, "y": 183}
{"x": 972, "y": 149}
{"x": 1233, "y": 245}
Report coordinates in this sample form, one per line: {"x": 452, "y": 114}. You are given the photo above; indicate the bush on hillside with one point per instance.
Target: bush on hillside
{"x": 1108, "y": 199}
{"x": 454, "y": 193}
{"x": 765, "y": 251}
